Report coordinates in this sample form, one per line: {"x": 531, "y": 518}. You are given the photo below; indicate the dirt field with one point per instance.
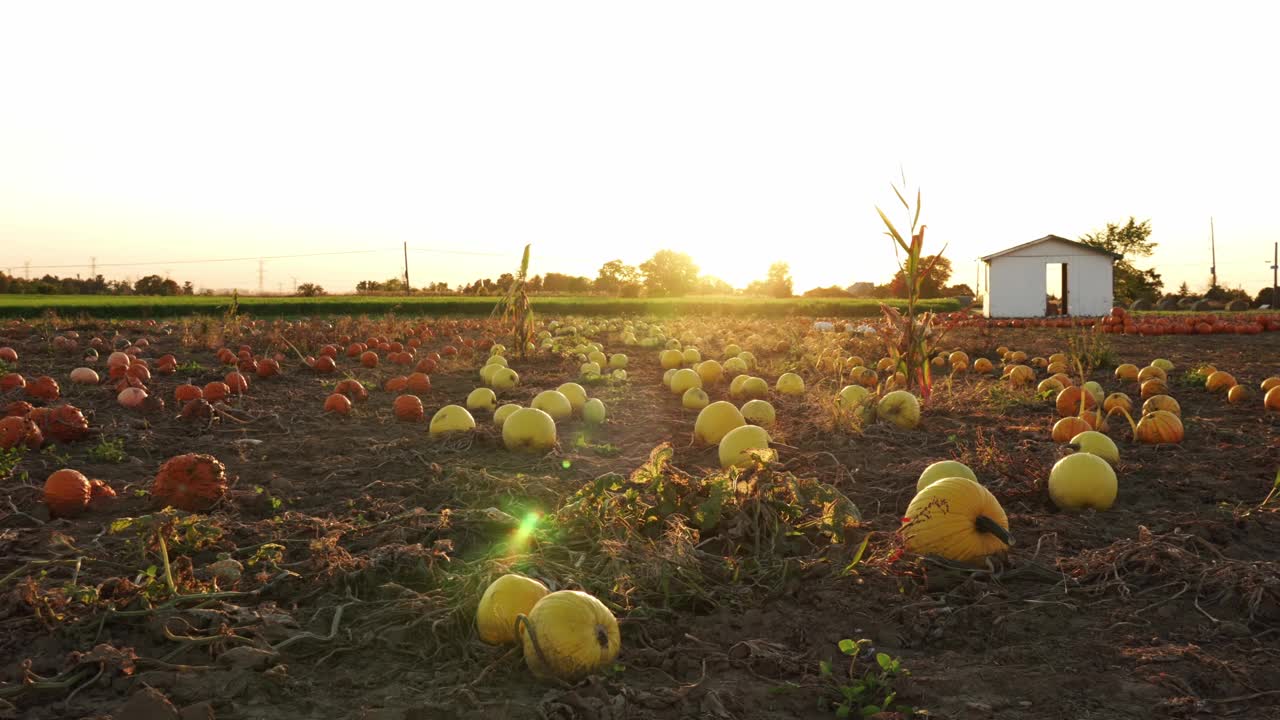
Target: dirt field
{"x": 366, "y": 545}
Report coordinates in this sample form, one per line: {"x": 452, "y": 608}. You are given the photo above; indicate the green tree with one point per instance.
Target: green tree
{"x": 310, "y": 290}
{"x": 1130, "y": 241}
{"x": 935, "y": 272}
{"x": 779, "y": 280}
{"x": 617, "y": 278}
{"x": 669, "y": 273}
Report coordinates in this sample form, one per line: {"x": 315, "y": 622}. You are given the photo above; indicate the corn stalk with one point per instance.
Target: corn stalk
{"x": 909, "y": 337}
{"x": 515, "y": 309}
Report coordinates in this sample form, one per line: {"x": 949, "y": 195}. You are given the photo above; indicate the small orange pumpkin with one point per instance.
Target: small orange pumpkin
{"x": 8, "y": 354}
{"x": 1068, "y": 401}
{"x": 337, "y": 403}
{"x": 1237, "y": 393}
{"x": 12, "y": 381}
{"x": 15, "y": 431}
{"x": 268, "y": 368}
{"x": 1068, "y": 427}
{"x": 369, "y": 359}
{"x": 1271, "y": 400}
{"x": 408, "y": 408}
{"x": 352, "y": 389}
{"x": 190, "y": 482}
{"x": 396, "y": 384}
{"x": 186, "y": 393}
{"x": 198, "y": 408}
{"x": 236, "y": 382}
{"x": 44, "y": 388}
{"x": 324, "y": 364}
{"x": 67, "y": 493}
{"x": 1219, "y": 381}
{"x": 1153, "y": 387}
{"x": 418, "y": 382}
{"x": 215, "y": 391}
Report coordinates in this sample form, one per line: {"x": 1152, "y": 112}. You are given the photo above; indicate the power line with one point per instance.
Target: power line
{"x": 215, "y": 260}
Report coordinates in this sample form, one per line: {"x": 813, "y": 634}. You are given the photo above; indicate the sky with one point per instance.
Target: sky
{"x": 156, "y": 137}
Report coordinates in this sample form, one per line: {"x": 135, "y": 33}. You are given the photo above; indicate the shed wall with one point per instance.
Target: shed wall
{"x": 1016, "y": 283}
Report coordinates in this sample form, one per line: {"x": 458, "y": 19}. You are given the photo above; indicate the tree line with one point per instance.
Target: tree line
{"x": 96, "y": 285}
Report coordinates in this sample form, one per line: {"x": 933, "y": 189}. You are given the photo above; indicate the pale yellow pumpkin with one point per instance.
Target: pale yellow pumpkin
{"x": 957, "y": 519}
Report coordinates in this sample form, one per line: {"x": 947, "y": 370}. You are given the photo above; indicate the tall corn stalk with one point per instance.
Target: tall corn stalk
{"x": 515, "y": 309}
{"x": 910, "y": 337}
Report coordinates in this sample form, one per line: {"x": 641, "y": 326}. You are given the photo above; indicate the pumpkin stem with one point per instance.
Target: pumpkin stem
{"x": 1132, "y": 425}
{"x": 533, "y": 636}
{"x": 987, "y": 525}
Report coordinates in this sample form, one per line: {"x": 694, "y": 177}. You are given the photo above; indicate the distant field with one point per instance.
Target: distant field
{"x": 112, "y": 306}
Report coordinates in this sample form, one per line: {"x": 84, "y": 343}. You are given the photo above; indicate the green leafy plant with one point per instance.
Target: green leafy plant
{"x": 909, "y": 336}
{"x": 62, "y": 458}
{"x": 516, "y": 310}
{"x": 111, "y": 451}
{"x": 867, "y": 692}
{"x": 191, "y": 366}
{"x": 9, "y": 459}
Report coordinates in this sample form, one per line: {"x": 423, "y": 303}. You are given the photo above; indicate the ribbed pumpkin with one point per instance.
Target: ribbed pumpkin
{"x": 338, "y": 403}
{"x": 1271, "y": 400}
{"x": 408, "y": 408}
{"x": 1161, "y": 402}
{"x": 15, "y": 431}
{"x": 1127, "y": 371}
{"x": 215, "y": 391}
{"x": 268, "y": 368}
{"x": 399, "y": 383}
{"x": 12, "y": 381}
{"x": 1153, "y": 387}
{"x": 568, "y": 635}
{"x": 18, "y": 408}
{"x": 418, "y": 382}
{"x": 190, "y": 482}
{"x": 236, "y": 382}
{"x": 1149, "y": 372}
{"x": 352, "y": 389}
{"x": 44, "y": 388}
{"x": 1068, "y": 402}
{"x": 1160, "y": 427}
{"x": 1117, "y": 400}
{"x": 1219, "y": 381}
{"x": 64, "y": 423}
{"x": 957, "y": 519}
{"x": 67, "y": 493}
{"x": 1068, "y": 427}
{"x": 187, "y": 392}
{"x": 1020, "y": 375}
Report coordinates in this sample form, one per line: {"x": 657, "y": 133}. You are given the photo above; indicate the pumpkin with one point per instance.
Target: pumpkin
{"x": 236, "y": 382}
{"x": 119, "y": 359}
{"x": 186, "y": 393}
{"x": 352, "y": 389}
{"x": 1271, "y": 400}
{"x": 1020, "y": 375}
{"x": 1068, "y": 427}
{"x": 982, "y": 365}
{"x": 1271, "y": 382}
{"x": 482, "y": 399}
{"x": 1068, "y": 402}
{"x": 1127, "y": 371}
{"x": 790, "y": 384}
{"x": 408, "y": 408}
{"x": 502, "y": 413}
{"x": 1153, "y": 387}
{"x": 198, "y": 408}
{"x": 740, "y": 444}
{"x": 324, "y": 364}
{"x": 215, "y": 391}
{"x": 900, "y": 408}
{"x": 715, "y": 421}
{"x": 15, "y": 431}
{"x": 12, "y": 381}
{"x": 1095, "y": 443}
{"x": 1219, "y": 381}
{"x": 576, "y": 394}
{"x": 8, "y": 354}
{"x": 139, "y": 371}
{"x": 1237, "y": 393}
{"x": 1159, "y": 427}
{"x": 451, "y": 419}
{"x": 20, "y": 408}
{"x": 1151, "y": 371}
{"x": 418, "y": 382}
{"x": 957, "y": 519}
{"x": 369, "y": 359}
{"x": 84, "y": 376}
{"x": 568, "y": 635}
{"x": 529, "y": 429}
{"x": 1161, "y": 402}
{"x": 337, "y": 403}
{"x": 554, "y": 403}
{"x": 67, "y": 493}
{"x": 1049, "y": 385}
{"x": 593, "y": 412}
{"x": 190, "y": 482}
{"x": 132, "y": 397}
{"x": 268, "y": 368}
{"x": 503, "y": 601}
{"x": 1117, "y": 400}
{"x": 64, "y": 423}
{"x": 944, "y": 469}
{"x": 399, "y": 383}
{"x": 44, "y": 388}
{"x": 1082, "y": 481}
{"x": 760, "y": 412}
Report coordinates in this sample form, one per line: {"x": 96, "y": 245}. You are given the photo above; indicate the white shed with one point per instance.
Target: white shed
{"x": 1019, "y": 279}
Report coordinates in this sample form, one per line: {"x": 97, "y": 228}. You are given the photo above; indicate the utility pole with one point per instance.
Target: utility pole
{"x": 93, "y": 267}
{"x": 26, "y": 269}
{"x": 1213, "y": 258}
{"x": 406, "y": 268}
{"x": 259, "y": 276}
{"x": 1275, "y": 275}
{"x": 295, "y": 284}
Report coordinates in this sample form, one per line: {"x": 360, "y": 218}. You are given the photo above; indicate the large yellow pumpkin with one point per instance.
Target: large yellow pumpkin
{"x": 716, "y": 420}
{"x": 503, "y": 601}
{"x": 1082, "y": 481}
{"x": 957, "y": 519}
{"x": 568, "y": 635}
{"x": 944, "y": 469}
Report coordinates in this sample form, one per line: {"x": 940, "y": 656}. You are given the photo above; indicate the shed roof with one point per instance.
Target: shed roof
{"x": 1048, "y": 238}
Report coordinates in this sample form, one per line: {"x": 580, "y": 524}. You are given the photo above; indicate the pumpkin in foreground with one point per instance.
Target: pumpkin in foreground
{"x": 740, "y": 444}
{"x": 900, "y": 408}
{"x": 529, "y": 429}
{"x": 957, "y": 519}
{"x": 568, "y": 635}
{"x": 1082, "y": 481}
{"x": 1095, "y": 443}
{"x": 503, "y": 601}
{"x": 190, "y": 482}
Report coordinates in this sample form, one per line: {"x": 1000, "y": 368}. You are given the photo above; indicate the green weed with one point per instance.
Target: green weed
{"x": 111, "y": 451}
{"x": 867, "y": 693}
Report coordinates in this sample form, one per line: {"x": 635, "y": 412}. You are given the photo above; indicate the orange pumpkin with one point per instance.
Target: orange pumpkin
{"x": 236, "y": 382}
{"x": 1271, "y": 400}
{"x": 353, "y": 390}
{"x": 1153, "y": 387}
{"x": 20, "y": 408}
{"x": 324, "y": 364}
{"x": 131, "y": 397}
{"x": 12, "y": 381}
{"x": 44, "y": 388}
{"x": 1219, "y": 381}
{"x": 8, "y": 354}
{"x": 268, "y": 368}
{"x": 198, "y": 408}
{"x": 425, "y": 365}
{"x": 190, "y": 482}
{"x": 1068, "y": 401}
{"x": 396, "y": 384}
{"x": 215, "y": 391}
{"x": 369, "y": 359}
{"x": 15, "y": 431}
{"x": 408, "y": 408}
{"x": 167, "y": 365}
{"x": 1237, "y": 393}
{"x": 139, "y": 371}
{"x": 1068, "y": 427}
{"x": 186, "y": 393}
{"x": 64, "y": 423}
{"x": 67, "y": 493}
{"x": 418, "y": 382}
{"x": 355, "y": 350}
{"x": 1161, "y": 402}
{"x": 337, "y": 403}
{"x": 1158, "y": 428}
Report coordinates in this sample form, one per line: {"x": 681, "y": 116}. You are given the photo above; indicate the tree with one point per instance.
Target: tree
{"x": 156, "y": 285}
{"x": 669, "y": 273}
{"x": 1132, "y": 240}
{"x": 187, "y": 288}
{"x": 779, "y": 280}
{"x": 617, "y": 278}
{"x": 310, "y": 290}
{"x": 936, "y": 272}
{"x": 712, "y": 285}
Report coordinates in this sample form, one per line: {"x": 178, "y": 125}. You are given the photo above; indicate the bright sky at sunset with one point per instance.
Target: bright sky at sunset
{"x": 740, "y": 132}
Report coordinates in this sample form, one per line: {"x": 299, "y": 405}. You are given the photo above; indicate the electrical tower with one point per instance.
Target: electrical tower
{"x": 1275, "y": 276}
{"x": 260, "y": 261}
{"x": 93, "y": 267}
{"x": 26, "y": 269}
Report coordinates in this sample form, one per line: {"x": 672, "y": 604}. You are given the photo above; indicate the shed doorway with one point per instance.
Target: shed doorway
{"x": 1057, "y": 290}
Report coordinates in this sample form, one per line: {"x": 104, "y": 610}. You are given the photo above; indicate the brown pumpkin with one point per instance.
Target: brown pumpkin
{"x": 190, "y": 482}
{"x": 408, "y": 408}
{"x": 67, "y": 493}
{"x": 353, "y": 390}
{"x": 15, "y": 431}
{"x": 338, "y": 403}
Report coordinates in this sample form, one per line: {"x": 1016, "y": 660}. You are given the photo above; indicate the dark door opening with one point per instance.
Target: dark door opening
{"x": 1057, "y": 290}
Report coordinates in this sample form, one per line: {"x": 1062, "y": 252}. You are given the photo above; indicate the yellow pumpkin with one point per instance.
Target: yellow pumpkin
{"x": 451, "y": 419}
{"x": 1020, "y": 374}
{"x": 1127, "y": 371}
{"x": 568, "y": 635}
{"x": 529, "y": 429}
{"x": 1237, "y": 393}
{"x": 1271, "y": 400}
{"x": 695, "y": 398}
{"x": 1161, "y": 402}
{"x": 576, "y": 393}
{"x": 900, "y": 408}
{"x": 957, "y": 519}
{"x": 715, "y": 421}
{"x": 1082, "y": 481}
{"x": 1159, "y": 427}
{"x": 1149, "y": 372}
{"x": 790, "y": 384}
{"x": 944, "y": 469}
{"x": 982, "y": 365}
{"x": 1219, "y": 381}
{"x": 503, "y": 601}
{"x": 739, "y": 445}
{"x": 851, "y": 396}
{"x": 1153, "y": 387}
{"x": 759, "y": 412}
{"x": 1095, "y": 443}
